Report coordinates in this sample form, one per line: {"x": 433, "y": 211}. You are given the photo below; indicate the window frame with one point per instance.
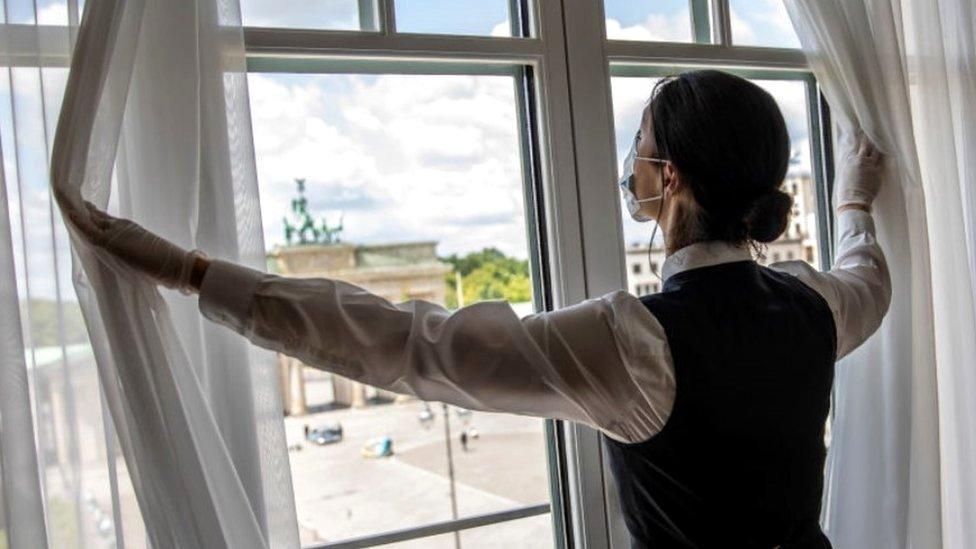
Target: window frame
{"x": 559, "y": 54}
{"x": 593, "y": 59}
{"x": 535, "y": 57}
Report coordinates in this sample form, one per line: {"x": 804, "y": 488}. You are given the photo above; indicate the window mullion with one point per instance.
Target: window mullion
{"x": 721, "y": 23}
{"x": 387, "y": 16}
{"x": 368, "y": 15}
{"x": 701, "y": 24}
{"x": 596, "y": 523}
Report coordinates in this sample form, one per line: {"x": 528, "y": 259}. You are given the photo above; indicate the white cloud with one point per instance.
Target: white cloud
{"x": 53, "y": 14}
{"x": 402, "y": 157}
{"x": 502, "y": 29}
{"x": 300, "y": 13}
{"x": 765, "y": 23}
{"x": 657, "y": 27}
{"x": 742, "y": 32}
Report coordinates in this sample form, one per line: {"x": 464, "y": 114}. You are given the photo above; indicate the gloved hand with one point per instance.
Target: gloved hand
{"x": 160, "y": 259}
{"x": 859, "y": 174}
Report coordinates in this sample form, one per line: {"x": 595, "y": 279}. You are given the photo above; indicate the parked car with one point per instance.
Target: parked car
{"x": 378, "y": 447}
{"x": 326, "y": 434}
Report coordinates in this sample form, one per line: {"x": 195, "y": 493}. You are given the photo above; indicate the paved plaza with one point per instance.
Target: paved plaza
{"x": 341, "y": 494}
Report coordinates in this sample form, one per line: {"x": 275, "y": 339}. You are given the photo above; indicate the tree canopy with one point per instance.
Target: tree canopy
{"x": 488, "y": 274}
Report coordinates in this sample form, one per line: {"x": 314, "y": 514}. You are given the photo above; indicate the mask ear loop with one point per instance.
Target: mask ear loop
{"x": 650, "y": 247}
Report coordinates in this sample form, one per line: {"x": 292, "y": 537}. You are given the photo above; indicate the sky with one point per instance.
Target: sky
{"x": 399, "y": 157}
{"x": 451, "y": 140}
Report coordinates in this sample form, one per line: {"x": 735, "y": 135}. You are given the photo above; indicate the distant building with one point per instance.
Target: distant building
{"x": 397, "y": 272}
{"x": 799, "y": 242}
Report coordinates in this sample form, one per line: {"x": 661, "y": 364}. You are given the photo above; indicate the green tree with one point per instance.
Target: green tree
{"x": 488, "y": 274}
{"x": 43, "y": 315}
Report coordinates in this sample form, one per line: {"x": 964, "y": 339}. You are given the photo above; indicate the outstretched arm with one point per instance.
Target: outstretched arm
{"x": 587, "y": 363}
{"x": 603, "y": 362}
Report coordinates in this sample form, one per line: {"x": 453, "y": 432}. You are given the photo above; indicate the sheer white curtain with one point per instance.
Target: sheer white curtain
{"x": 20, "y": 491}
{"x": 900, "y": 472}
{"x": 154, "y": 124}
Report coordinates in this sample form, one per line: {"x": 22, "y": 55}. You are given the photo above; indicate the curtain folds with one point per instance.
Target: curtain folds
{"x": 154, "y": 124}
{"x": 20, "y": 493}
{"x": 903, "y": 71}
{"x": 197, "y": 418}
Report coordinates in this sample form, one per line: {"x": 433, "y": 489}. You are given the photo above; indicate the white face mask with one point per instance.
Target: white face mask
{"x": 626, "y": 183}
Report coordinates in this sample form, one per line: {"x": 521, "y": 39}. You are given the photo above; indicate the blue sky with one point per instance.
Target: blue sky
{"x": 646, "y": 20}
{"x": 432, "y": 16}
{"x": 754, "y": 22}
{"x": 629, "y": 12}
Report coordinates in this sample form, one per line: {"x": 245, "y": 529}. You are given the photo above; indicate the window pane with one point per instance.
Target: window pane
{"x": 481, "y": 18}
{"x": 657, "y": 20}
{"x": 799, "y": 242}
{"x": 762, "y": 23}
{"x": 423, "y": 175}
{"x": 315, "y": 14}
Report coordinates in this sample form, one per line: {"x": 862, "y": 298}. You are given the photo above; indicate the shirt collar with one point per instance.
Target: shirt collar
{"x": 703, "y": 254}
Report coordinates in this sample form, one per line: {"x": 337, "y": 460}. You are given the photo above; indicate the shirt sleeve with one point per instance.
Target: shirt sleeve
{"x": 858, "y": 288}
{"x": 603, "y": 362}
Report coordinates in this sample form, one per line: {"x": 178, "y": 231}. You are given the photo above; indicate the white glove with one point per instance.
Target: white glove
{"x": 859, "y": 174}
{"x": 158, "y": 258}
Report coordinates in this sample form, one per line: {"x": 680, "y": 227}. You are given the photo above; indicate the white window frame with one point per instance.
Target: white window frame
{"x": 592, "y": 60}
{"x": 384, "y": 50}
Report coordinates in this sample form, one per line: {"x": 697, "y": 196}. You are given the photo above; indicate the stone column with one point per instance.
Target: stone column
{"x": 291, "y": 374}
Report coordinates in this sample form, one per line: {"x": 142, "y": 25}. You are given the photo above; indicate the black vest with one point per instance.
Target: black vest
{"x": 740, "y": 461}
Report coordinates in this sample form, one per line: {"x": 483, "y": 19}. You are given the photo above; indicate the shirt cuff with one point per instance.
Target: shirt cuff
{"x": 227, "y": 292}
{"x": 853, "y": 221}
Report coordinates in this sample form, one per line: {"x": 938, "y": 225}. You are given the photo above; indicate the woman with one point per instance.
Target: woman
{"x": 713, "y": 393}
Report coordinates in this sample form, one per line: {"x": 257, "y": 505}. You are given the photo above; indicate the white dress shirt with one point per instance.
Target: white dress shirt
{"x": 604, "y": 362}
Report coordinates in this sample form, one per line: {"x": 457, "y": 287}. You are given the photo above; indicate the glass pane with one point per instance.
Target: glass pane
{"x": 799, "y": 242}
{"x": 314, "y": 14}
{"x": 481, "y": 18}
{"x": 657, "y": 20}
{"x": 762, "y": 23}
{"x": 415, "y": 185}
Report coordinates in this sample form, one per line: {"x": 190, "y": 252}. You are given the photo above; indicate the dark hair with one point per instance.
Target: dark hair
{"x": 727, "y": 138}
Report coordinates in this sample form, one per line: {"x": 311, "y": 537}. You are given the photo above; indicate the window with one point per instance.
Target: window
{"x": 419, "y": 178}
{"x": 635, "y": 61}
{"x": 415, "y": 183}
{"x": 630, "y": 94}
{"x": 440, "y": 147}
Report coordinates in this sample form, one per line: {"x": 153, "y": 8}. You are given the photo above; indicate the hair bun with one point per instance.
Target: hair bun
{"x": 768, "y": 216}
